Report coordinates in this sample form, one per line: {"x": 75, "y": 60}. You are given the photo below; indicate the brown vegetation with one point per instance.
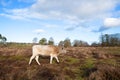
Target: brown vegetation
{"x": 80, "y": 63}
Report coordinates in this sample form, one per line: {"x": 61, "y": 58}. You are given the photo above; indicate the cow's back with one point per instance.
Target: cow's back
{"x": 45, "y": 50}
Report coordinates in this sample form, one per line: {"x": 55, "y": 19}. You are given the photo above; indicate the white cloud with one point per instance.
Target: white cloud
{"x": 51, "y": 25}
{"x": 112, "y": 22}
{"x": 38, "y": 31}
{"x": 15, "y": 17}
{"x": 108, "y": 23}
{"x": 25, "y": 13}
{"x": 81, "y": 8}
{"x": 67, "y": 8}
{"x": 71, "y": 12}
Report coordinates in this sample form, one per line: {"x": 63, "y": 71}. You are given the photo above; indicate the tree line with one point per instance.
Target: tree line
{"x": 110, "y": 40}
{"x": 66, "y": 43}
{"x": 3, "y": 39}
{"x": 104, "y": 41}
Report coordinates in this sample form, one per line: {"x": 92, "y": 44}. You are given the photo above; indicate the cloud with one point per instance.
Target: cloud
{"x": 15, "y": 17}
{"x": 51, "y": 26}
{"x": 101, "y": 29}
{"x": 69, "y": 11}
{"x": 109, "y": 23}
{"x": 70, "y": 28}
{"x": 112, "y": 22}
{"x": 73, "y": 27}
{"x": 38, "y": 31}
{"x": 81, "y": 8}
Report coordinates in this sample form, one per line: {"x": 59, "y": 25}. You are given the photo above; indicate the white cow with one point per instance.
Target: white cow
{"x": 46, "y": 50}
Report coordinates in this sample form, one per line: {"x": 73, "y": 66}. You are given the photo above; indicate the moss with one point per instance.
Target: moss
{"x": 67, "y": 77}
{"x": 3, "y": 58}
{"x": 89, "y": 63}
{"x": 79, "y": 78}
{"x": 87, "y": 67}
{"x": 78, "y": 73}
{"x": 109, "y": 61}
{"x": 71, "y": 60}
{"x": 18, "y": 58}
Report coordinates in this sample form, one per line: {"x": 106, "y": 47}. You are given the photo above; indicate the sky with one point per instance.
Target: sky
{"x": 23, "y": 20}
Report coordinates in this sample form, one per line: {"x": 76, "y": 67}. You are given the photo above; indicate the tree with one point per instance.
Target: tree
{"x": 51, "y": 41}
{"x": 83, "y": 43}
{"x": 110, "y": 40}
{"x": 0, "y": 36}
{"x": 107, "y": 39}
{"x": 67, "y": 42}
{"x": 102, "y": 41}
{"x": 95, "y": 44}
{"x": 76, "y": 43}
{"x": 114, "y": 41}
{"x": 3, "y": 39}
{"x": 61, "y": 43}
{"x": 43, "y": 41}
{"x": 35, "y": 40}
{"x": 80, "y": 43}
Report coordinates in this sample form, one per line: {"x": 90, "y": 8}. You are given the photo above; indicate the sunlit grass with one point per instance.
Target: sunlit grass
{"x": 71, "y": 67}
{"x": 71, "y": 60}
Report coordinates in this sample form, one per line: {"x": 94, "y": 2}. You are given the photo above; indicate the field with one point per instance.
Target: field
{"x": 79, "y": 63}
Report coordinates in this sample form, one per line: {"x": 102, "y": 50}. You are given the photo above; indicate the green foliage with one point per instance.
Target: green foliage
{"x": 112, "y": 62}
{"x": 76, "y": 43}
{"x": 89, "y": 63}
{"x": 95, "y": 44}
{"x": 61, "y": 43}
{"x": 79, "y": 43}
{"x": 110, "y": 40}
{"x": 13, "y": 58}
{"x": 0, "y": 36}
{"x": 3, "y": 39}
{"x": 43, "y": 41}
{"x": 87, "y": 67}
{"x": 71, "y": 60}
{"x": 51, "y": 41}
{"x": 67, "y": 42}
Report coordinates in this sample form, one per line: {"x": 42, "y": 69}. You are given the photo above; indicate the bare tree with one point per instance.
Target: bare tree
{"x": 35, "y": 40}
{"x": 67, "y": 42}
{"x": 51, "y": 41}
{"x": 3, "y": 39}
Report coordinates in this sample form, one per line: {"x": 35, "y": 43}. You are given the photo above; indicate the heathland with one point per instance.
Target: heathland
{"x": 79, "y": 63}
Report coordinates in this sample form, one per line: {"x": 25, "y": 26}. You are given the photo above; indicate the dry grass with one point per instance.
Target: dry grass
{"x": 80, "y": 63}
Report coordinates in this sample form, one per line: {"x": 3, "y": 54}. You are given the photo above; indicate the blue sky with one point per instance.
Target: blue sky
{"x": 22, "y": 20}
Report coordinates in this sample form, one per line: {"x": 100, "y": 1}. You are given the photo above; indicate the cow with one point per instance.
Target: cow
{"x": 46, "y": 50}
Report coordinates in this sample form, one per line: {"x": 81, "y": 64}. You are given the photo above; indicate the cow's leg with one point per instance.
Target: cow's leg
{"x": 36, "y": 58}
{"x": 51, "y": 58}
{"x": 57, "y": 59}
{"x": 32, "y": 57}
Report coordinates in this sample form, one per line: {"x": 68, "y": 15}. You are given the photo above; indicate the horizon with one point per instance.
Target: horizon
{"x": 23, "y": 20}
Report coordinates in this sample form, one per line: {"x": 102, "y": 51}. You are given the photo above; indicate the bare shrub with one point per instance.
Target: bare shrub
{"x": 44, "y": 73}
{"x": 105, "y": 72}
